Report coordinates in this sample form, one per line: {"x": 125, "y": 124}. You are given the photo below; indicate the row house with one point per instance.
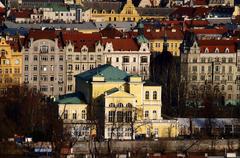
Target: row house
{"x": 213, "y": 65}
{"x": 44, "y": 64}
{"x": 10, "y": 63}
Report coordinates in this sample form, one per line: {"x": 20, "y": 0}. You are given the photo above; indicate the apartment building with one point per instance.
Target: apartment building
{"x": 213, "y": 65}
{"x": 44, "y": 64}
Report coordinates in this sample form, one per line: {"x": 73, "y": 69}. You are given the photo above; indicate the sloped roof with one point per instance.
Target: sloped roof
{"x": 122, "y": 44}
{"x": 176, "y": 34}
{"x": 72, "y": 98}
{"x": 109, "y": 73}
{"x": 110, "y": 32}
{"x": 79, "y": 39}
{"x": 100, "y": 6}
{"x": 154, "y": 11}
{"x": 221, "y": 45}
{"x": 210, "y": 31}
{"x": 36, "y": 34}
{"x": 196, "y": 22}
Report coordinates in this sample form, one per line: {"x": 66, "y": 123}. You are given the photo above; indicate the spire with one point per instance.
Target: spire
{"x": 165, "y": 44}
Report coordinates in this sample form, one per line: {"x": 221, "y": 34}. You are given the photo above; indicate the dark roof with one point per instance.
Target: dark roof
{"x": 109, "y": 73}
{"x": 222, "y": 12}
{"x": 110, "y": 32}
{"x": 72, "y": 98}
{"x": 100, "y": 6}
{"x": 154, "y": 11}
{"x": 149, "y": 83}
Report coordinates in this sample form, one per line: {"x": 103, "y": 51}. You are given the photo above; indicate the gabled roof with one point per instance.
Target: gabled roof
{"x": 110, "y": 32}
{"x": 72, "y": 98}
{"x": 118, "y": 93}
{"x": 122, "y": 44}
{"x": 110, "y": 74}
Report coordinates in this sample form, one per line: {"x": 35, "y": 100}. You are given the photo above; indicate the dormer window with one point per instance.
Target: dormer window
{"x": 84, "y": 49}
{"x": 112, "y": 12}
{"x": 206, "y": 50}
{"x": 95, "y": 11}
{"x": 216, "y": 50}
{"x": 226, "y": 50}
{"x": 103, "y": 12}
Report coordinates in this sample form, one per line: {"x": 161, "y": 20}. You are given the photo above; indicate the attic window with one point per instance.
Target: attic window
{"x": 226, "y": 50}
{"x": 216, "y": 50}
{"x": 95, "y": 11}
{"x": 103, "y": 11}
{"x": 206, "y": 50}
{"x": 112, "y": 12}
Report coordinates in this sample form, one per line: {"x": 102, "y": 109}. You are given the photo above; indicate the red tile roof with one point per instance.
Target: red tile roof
{"x": 21, "y": 13}
{"x": 36, "y": 34}
{"x": 200, "y": 2}
{"x": 196, "y": 23}
{"x": 222, "y": 45}
{"x": 171, "y": 34}
{"x": 79, "y": 39}
{"x": 122, "y": 44}
{"x": 210, "y": 31}
{"x": 191, "y": 12}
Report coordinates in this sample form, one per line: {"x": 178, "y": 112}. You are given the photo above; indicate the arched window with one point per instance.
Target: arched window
{"x": 129, "y": 105}
{"x": 155, "y": 95}
{"x": 206, "y": 50}
{"x": 147, "y": 95}
{"x": 111, "y": 105}
{"x": 216, "y": 50}
{"x": 226, "y": 50}
{"x": 119, "y": 105}
{"x": 154, "y": 114}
